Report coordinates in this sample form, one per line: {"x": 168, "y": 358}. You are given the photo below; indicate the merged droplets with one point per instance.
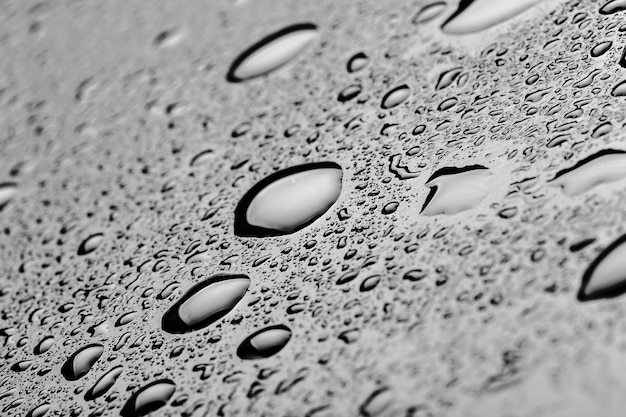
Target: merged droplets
{"x": 477, "y": 15}
{"x": 272, "y": 52}
{"x": 264, "y": 343}
{"x": 454, "y": 190}
{"x": 600, "y": 168}
{"x": 81, "y": 362}
{"x": 606, "y": 276}
{"x": 149, "y": 398}
{"x": 395, "y": 97}
{"x": 90, "y": 244}
{"x": 288, "y": 200}
{"x": 7, "y": 192}
{"x": 205, "y": 303}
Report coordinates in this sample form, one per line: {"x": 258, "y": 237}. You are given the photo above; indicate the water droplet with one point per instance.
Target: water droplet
{"x": 81, "y": 362}
{"x": 454, "y": 190}
{"x": 205, "y": 303}
{"x": 149, "y": 398}
{"x": 349, "y": 93}
{"x": 357, "y": 62}
{"x": 7, "y": 192}
{"x": 600, "y": 168}
{"x": 288, "y": 200}
{"x": 369, "y": 283}
{"x": 390, "y": 207}
{"x": 619, "y": 90}
{"x": 395, "y": 97}
{"x": 103, "y": 384}
{"x": 90, "y": 244}
{"x": 272, "y": 52}
{"x": 264, "y": 343}
{"x": 606, "y": 276}
{"x": 429, "y": 12}
{"x": 378, "y": 403}
{"x": 477, "y": 15}
{"x": 613, "y": 6}
{"x": 21, "y": 366}
{"x": 601, "y": 48}
{"x": 44, "y": 346}
{"x": 202, "y": 158}
{"x": 39, "y": 411}
{"x": 126, "y": 318}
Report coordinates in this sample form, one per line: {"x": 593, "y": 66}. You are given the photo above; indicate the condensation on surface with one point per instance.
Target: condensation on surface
{"x": 411, "y": 208}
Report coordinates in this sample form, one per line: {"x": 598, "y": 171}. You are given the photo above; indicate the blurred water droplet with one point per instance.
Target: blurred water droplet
{"x": 272, "y": 52}
{"x": 600, "y": 168}
{"x": 429, "y": 12}
{"x": 395, "y": 97}
{"x": 81, "y": 362}
{"x": 264, "y": 343}
{"x": 606, "y": 276}
{"x": 288, "y": 200}
{"x": 7, "y": 192}
{"x": 149, "y": 398}
{"x": 205, "y": 303}
{"x": 357, "y": 62}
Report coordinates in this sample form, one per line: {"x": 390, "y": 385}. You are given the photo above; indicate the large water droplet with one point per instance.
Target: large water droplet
{"x": 454, "y": 190}
{"x": 149, "y": 398}
{"x": 600, "y": 168}
{"x": 81, "y": 362}
{"x": 606, "y": 276}
{"x": 272, "y": 52}
{"x": 477, "y": 15}
{"x": 264, "y": 343}
{"x": 103, "y": 384}
{"x": 395, "y": 97}
{"x": 205, "y": 303}
{"x": 7, "y": 191}
{"x": 288, "y": 200}
{"x": 90, "y": 244}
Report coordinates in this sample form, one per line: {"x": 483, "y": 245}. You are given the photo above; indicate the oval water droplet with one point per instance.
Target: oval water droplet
{"x": 39, "y": 411}
{"x": 391, "y": 207}
{"x": 202, "y": 157}
{"x": 349, "y": 93}
{"x": 600, "y": 168}
{"x": 90, "y": 244}
{"x": 606, "y": 275}
{"x": 454, "y": 190}
{"x": 103, "y": 384}
{"x": 205, "y": 303}
{"x": 149, "y": 398}
{"x": 429, "y": 12}
{"x": 81, "y": 362}
{"x": 613, "y": 6}
{"x": 288, "y": 200}
{"x": 44, "y": 345}
{"x": 7, "y": 192}
{"x": 477, "y": 15}
{"x": 600, "y": 49}
{"x": 619, "y": 90}
{"x": 264, "y": 343}
{"x": 357, "y": 62}
{"x": 395, "y": 97}
{"x": 272, "y": 52}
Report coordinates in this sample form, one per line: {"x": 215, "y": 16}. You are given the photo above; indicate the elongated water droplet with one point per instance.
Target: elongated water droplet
{"x": 103, "y": 384}
{"x": 81, "y": 362}
{"x": 613, "y": 6}
{"x": 7, "y": 191}
{"x": 395, "y": 97}
{"x": 205, "y": 303}
{"x": 619, "y": 90}
{"x": 349, "y": 93}
{"x": 149, "y": 398}
{"x": 606, "y": 276}
{"x": 272, "y": 52}
{"x": 39, "y": 411}
{"x": 264, "y": 343}
{"x": 90, "y": 244}
{"x": 429, "y": 12}
{"x": 477, "y": 15}
{"x": 288, "y": 200}
{"x": 44, "y": 345}
{"x": 600, "y": 49}
{"x": 600, "y": 168}
{"x": 454, "y": 190}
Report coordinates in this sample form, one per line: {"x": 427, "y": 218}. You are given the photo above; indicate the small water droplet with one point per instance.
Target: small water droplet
{"x": 264, "y": 343}
{"x": 149, "y": 398}
{"x": 288, "y": 200}
{"x": 81, "y": 362}
{"x": 272, "y": 52}
{"x": 205, "y": 303}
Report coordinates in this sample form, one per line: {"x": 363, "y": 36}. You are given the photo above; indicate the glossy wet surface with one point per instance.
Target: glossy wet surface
{"x": 409, "y": 208}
